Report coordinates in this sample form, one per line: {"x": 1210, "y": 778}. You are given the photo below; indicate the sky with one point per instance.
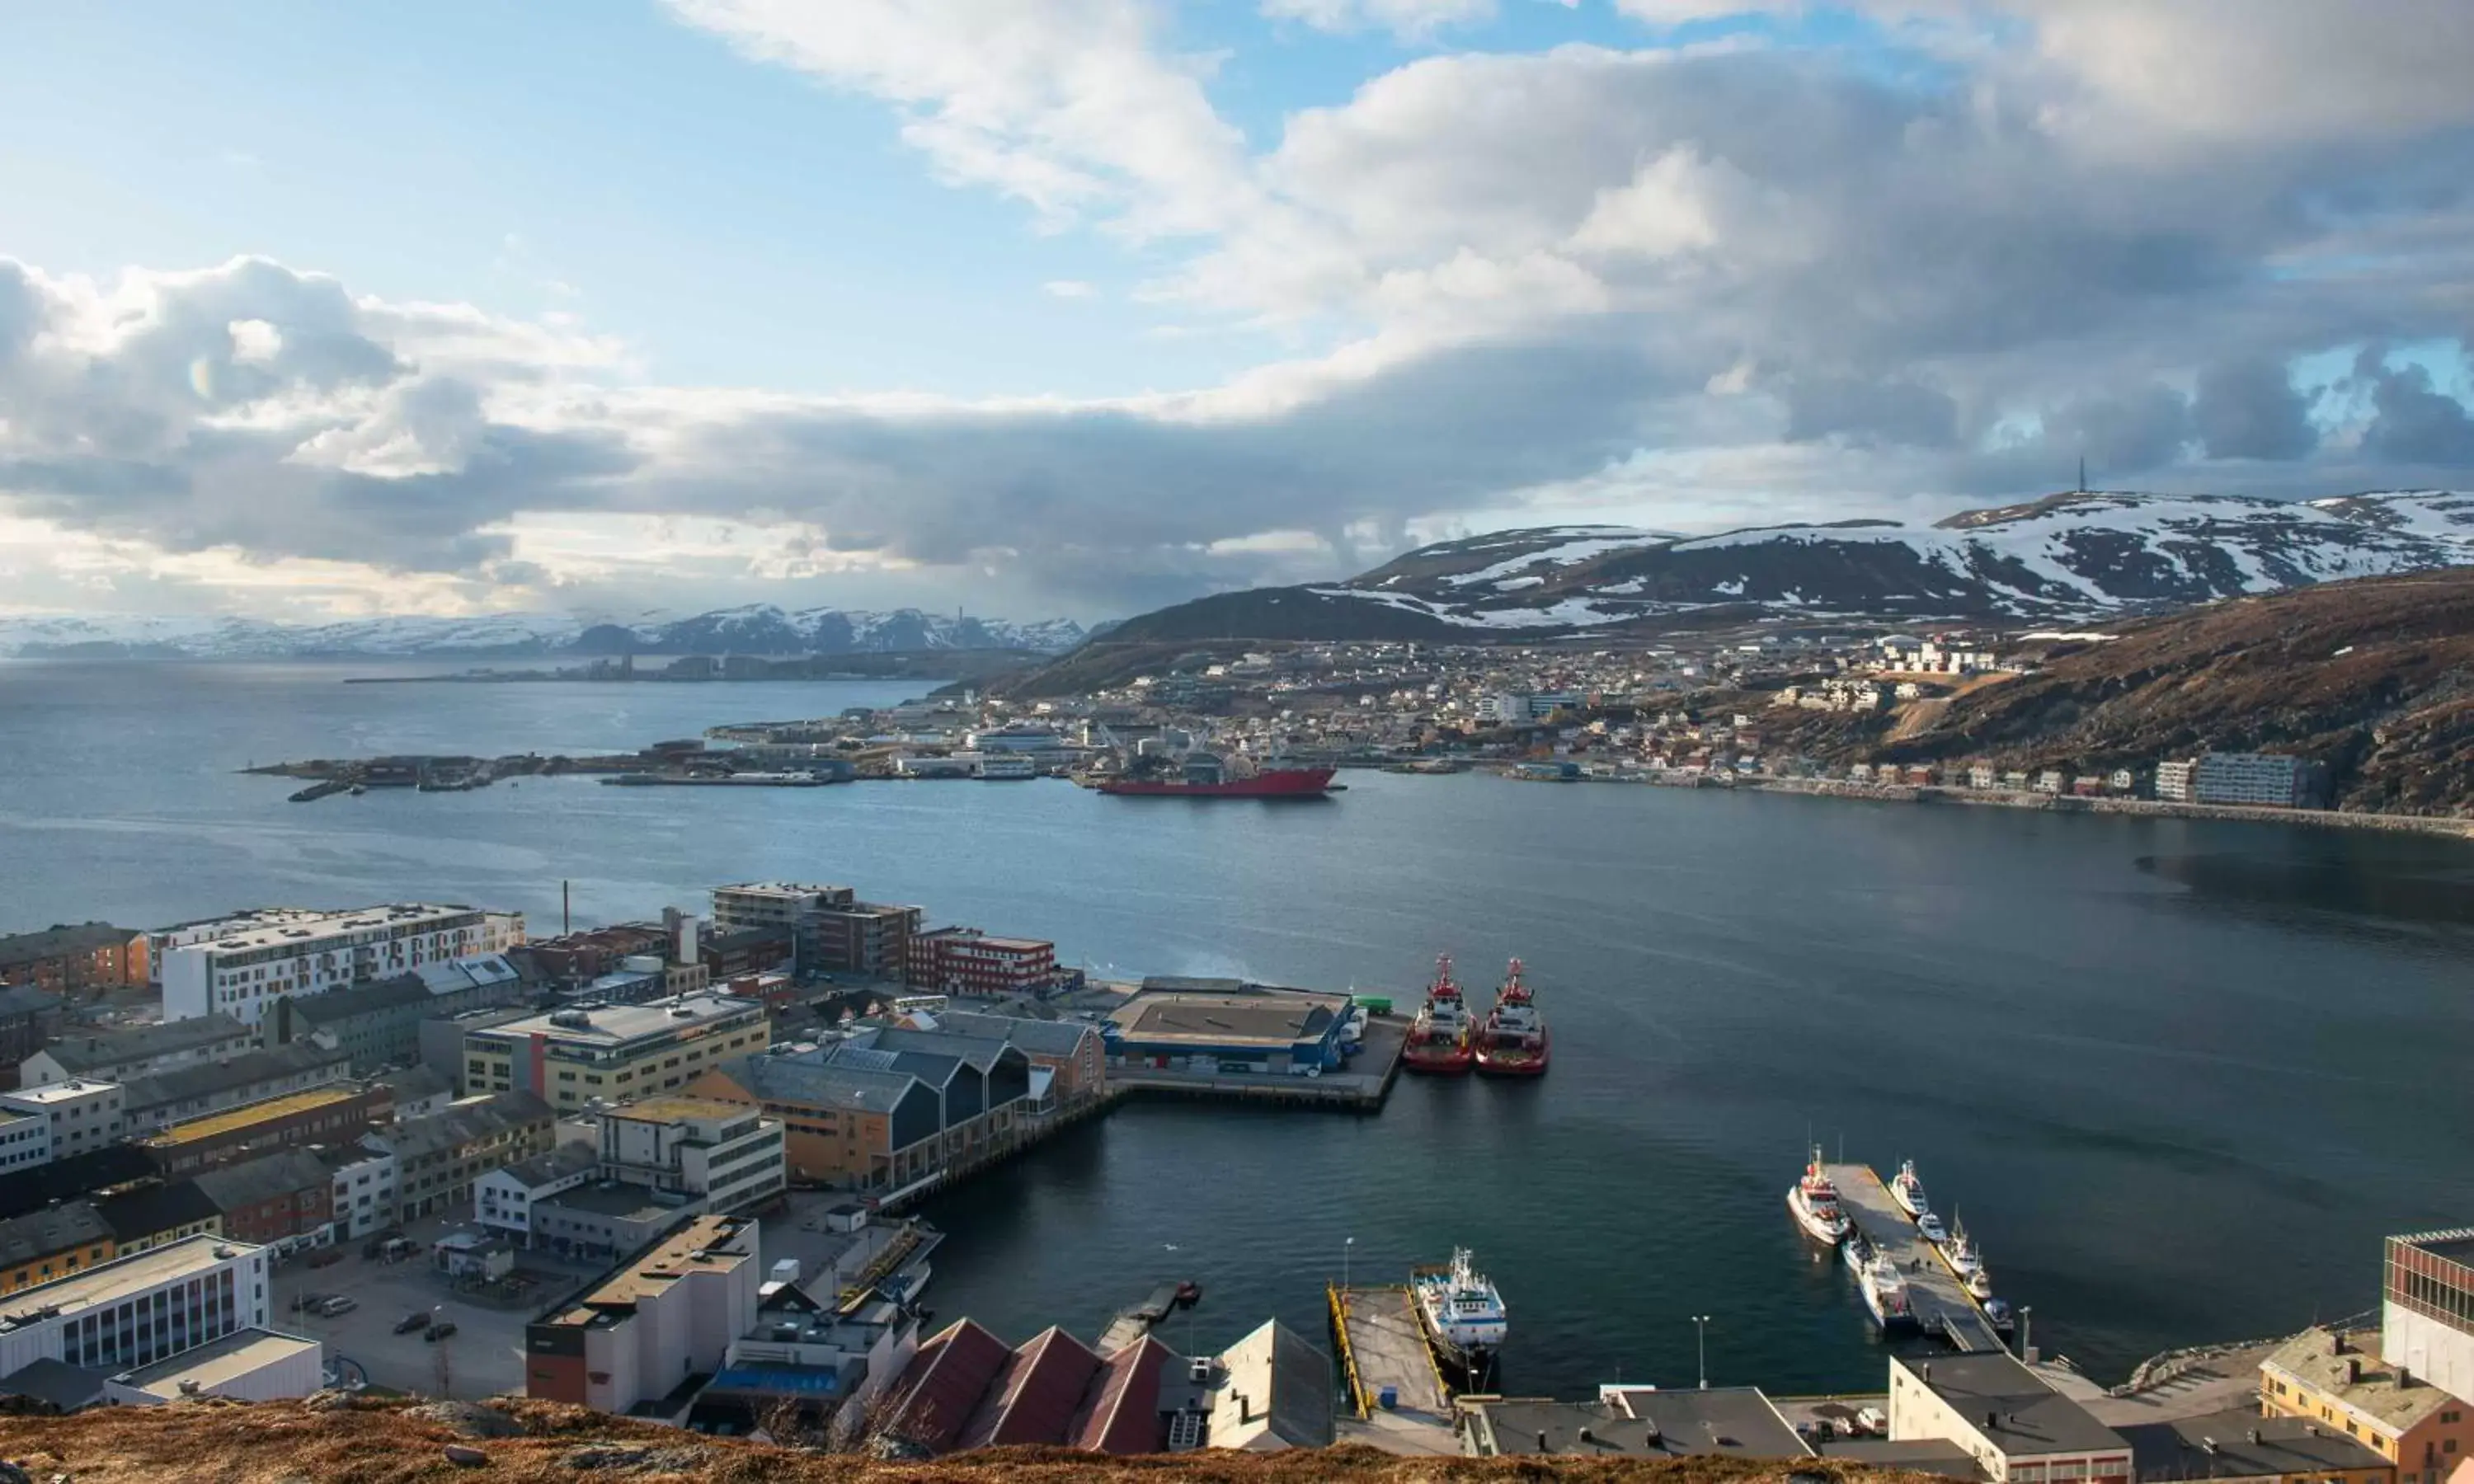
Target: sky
{"x": 1075, "y": 307}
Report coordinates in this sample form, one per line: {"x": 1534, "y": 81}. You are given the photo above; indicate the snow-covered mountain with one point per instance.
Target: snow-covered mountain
{"x": 756, "y": 629}
{"x": 2070, "y": 555}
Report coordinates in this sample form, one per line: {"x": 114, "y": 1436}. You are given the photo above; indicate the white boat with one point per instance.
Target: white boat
{"x": 1931, "y": 1226}
{"x": 1461, "y": 1312}
{"x": 1909, "y": 1191}
{"x": 1813, "y": 1203}
{"x": 1960, "y": 1252}
{"x": 1999, "y": 1312}
{"x": 1980, "y": 1284}
{"x": 1858, "y": 1251}
{"x": 1886, "y": 1293}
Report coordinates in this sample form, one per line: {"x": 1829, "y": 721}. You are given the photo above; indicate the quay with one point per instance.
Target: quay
{"x": 1131, "y": 1325}
{"x": 1941, "y": 1304}
{"x": 1382, "y": 1352}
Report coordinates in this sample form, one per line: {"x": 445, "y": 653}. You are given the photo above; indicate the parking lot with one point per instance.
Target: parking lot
{"x": 484, "y": 1357}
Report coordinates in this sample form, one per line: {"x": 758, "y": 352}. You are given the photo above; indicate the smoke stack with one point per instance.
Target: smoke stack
{"x": 2403, "y": 1378}
{"x": 2353, "y": 1370}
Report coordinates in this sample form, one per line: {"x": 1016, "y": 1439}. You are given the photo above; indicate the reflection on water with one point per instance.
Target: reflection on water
{"x": 2352, "y": 883}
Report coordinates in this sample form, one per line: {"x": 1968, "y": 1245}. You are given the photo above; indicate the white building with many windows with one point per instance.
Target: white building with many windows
{"x": 25, "y": 1139}
{"x": 135, "y": 1311}
{"x": 80, "y": 1116}
{"x": 264, "y": 958}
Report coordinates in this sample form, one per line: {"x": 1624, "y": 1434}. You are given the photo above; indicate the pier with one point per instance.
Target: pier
{"x": 1382, "y": 1348}
{"x": 1940, "y": 1302}
{"x": 1129, "y": 1325}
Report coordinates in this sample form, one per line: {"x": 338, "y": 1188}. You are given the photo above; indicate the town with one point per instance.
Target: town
{"x": 1788, "y": 712}
{"x": 665, "y": 1169}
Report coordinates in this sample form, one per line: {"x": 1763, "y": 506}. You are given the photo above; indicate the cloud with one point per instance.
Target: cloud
{"x": 1411, "y": 20}
{"x": 1711, "y": 281}
{"x": 1068, "y": 288}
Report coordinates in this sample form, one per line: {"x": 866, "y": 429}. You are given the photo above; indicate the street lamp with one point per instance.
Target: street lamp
{"x": 2026, "y": 1329}
{"x": 1345, "y": 1247}
{"x": 1701, "y": 1346}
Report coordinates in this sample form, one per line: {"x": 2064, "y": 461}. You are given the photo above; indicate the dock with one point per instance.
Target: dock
{"x": 1940, "y": 1302}
{"x": 1382, "y": 1348}
{"x": 1129, "y": 1325}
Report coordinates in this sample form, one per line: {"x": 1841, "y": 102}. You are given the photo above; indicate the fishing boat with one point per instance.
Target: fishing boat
{"x": 1858, "y": 1251}
{"x": 1908, "y": 1190}
{"x": 1931, "y": 1226}
{"x": 1813, "y": 1202}
{"x": 1960, "y": 1250}
{"x": 1440, "y": 1037}
{"x": 1462, "y": 1313}
{"x": 1512, "y": 1041}
{"x": 1886, "y": 1293}
{"x": 1980, "y": 1284}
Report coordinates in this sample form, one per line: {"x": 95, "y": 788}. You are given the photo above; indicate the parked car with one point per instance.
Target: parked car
{"x": 441, "y": 1329}
{"x": 303, "y": 1303}
{"x": 411, "y": 1322}
{"x": 340, "y": 1304}
{"x": 325, "y": 1257}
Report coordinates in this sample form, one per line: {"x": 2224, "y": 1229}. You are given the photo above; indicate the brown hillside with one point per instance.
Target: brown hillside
{"x": 2372, "y": 677}
{"x": 281, "y": 1443}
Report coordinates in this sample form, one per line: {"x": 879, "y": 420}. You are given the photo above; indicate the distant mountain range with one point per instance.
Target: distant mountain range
{"x": 2076, "y": 556}
{"x": 758, "y": 629}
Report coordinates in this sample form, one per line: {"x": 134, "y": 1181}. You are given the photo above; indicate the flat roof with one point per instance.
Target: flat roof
{"x": 635, "y": 1202}
{"x": 2011, "y": 1406}
{"x": 706, "y": 1244}
{"x": 673, "y": 1108}
{"x": 302, "y": 927}
{"x": 2456, "y": 1245}
{"x": 1737, "y": 1420}
{"x": 1219, "y": 1019}
{"x": 72, "y": 1090}
{"x": 249, "y": 1114}
{"x": 2239, "y": 1442}
{"x": 611, "y": 1025}
{"x": 123, "y": 1277}
{"x": 210, "y": 1365}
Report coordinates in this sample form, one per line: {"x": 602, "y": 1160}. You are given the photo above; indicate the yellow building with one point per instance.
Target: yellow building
{"x": 613, "y": 1053}
{"x": 2339, "y": 1381}
{"x": 51, "y": 1244}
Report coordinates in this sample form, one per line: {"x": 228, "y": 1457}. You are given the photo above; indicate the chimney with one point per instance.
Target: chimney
{"x": 2254, "y": 1435}
{"x": 1991, "y": 1419}
{"x": 2403, "y": 1378}
{"x": 2336, "y": 1343}
{"x": 2353, "y": 1369}
{"x": 1586, "y": 1436}
{"x": 1542, "y": 1442}
{"x": 1245, "y": 1408}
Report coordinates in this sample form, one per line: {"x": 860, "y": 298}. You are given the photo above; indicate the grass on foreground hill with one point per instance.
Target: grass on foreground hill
{"x": 219, "y": 1442}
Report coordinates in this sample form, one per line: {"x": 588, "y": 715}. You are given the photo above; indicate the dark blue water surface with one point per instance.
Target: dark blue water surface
{"x": 2178, "y": 1077}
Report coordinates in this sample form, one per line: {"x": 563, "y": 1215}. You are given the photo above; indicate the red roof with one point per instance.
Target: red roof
{"x": 942, "y": 1385}
{"x": 1037, "y": 1396}
{"x": 1121, "y": 1413}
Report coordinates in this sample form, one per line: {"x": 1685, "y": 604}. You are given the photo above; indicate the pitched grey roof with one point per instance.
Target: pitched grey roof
{"x": 81, "y": 1054}
{"x": 18, "y": 948}
{"x": 361, "y": 999}
{"x": 207, "y": 1079}
{"x": 67, "y": 1387}
{"x": 978, "y": 1052}
{"x": 2242, "y": 1443}
{"x": 819, "y": 1084}
{"x": 1039, "y": 1038}
{"x": 462, "y": 1124}
{"x": 55, "y": 1228}
{"x": 236, "y": 1186}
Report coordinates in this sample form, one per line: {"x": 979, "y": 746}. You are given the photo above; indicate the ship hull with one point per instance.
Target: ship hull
{"x": 1443, "y": 1059}
{"x": 1829, "y": 1234}
{"x": 1512, "y": 1061}
{"x": 1282, "y": 783}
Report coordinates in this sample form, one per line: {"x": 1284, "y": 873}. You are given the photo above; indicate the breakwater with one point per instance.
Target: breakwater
{"x": 2154, "y": 808}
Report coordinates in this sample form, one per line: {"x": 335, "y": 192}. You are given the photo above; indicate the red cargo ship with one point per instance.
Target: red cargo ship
{"x": 1511, "y": 1042}
{"x": 1206, "y": 776}
{"x": 1438, "y": 1039}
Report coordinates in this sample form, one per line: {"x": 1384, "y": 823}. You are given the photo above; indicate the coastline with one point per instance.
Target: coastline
{"x": 2154, "y": 808}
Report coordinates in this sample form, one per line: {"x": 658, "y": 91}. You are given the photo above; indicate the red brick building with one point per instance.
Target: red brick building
{"x": 966, "y": 961}
{"x": 69, "y": 959}
{"x": 267, "y": 1200}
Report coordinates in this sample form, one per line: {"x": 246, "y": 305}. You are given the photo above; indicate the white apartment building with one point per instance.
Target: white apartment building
{"x": 134, "y": 1311}
{"x": 2173, "y": 780}
{"x": 81, "y": 1115}
{"x": 362, "y": 1195}
{"x": 25, "y": 1139}
{"x": 263, "y": 958}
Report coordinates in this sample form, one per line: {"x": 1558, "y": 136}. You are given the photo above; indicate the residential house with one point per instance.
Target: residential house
{"x": 139, "y": 1051}
{"x": 197, "y": 1088}
{"x": 71, "y": 960}
{"x": 51, "y": 1243}
{"x": 277, "y": 1200}
{"x": 439, "y": 1158}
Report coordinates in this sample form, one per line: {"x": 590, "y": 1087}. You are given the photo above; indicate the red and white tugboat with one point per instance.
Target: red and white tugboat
{"x": 1440, "y": 1037}
{"x": 1511, "y": 1042}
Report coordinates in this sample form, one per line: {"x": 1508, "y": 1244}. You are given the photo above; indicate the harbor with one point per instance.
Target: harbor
{"x": 1937, "y": 1298}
